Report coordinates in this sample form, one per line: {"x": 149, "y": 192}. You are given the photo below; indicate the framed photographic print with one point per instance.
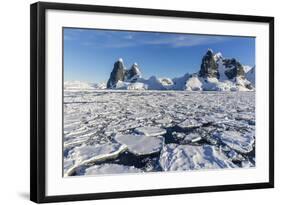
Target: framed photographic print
{"x": 129, "y": 102}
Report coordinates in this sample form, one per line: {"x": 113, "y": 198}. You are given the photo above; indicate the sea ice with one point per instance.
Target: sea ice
{"x": 188, "y": 157}
{"x": 141, "y": 144}
{"x": 234, "y": 156}
{"x": 150, "y": 131}
{"x": 240, "y": 142}
{"x": 92, "y": 153}
{"x": 75, "y": 141}
{"x": 192, "y": 137}
{"x": 164, "y": 121}
{"x": 220, "y": 125}
{"x": 190, "y": 123}
{"x": 110, "y": 169}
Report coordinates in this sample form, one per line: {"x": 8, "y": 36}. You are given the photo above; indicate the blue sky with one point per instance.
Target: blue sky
{"x": 89, "y": 54}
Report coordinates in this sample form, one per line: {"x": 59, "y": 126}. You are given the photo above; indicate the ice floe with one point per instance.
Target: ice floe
{"x": 141, "y": 144}
{"x": 110, "y": 169}
{"x": 91, "y": 153}
{"x": 187, "y": 157}
{"x": 190, "y": 123}
{"x": 240, "y": 142}
{"x": 150, "y": 131}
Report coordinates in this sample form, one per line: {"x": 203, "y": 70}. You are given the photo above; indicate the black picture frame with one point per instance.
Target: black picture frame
{"x": 38, "y": 101}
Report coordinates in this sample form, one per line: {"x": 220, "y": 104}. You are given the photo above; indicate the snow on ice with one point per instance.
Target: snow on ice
{"x": 110, "y": 169}
{"x": 150, "y": 131}
{"x": 92, "y": 153}
{"x": 141, "y": 144}
{"x": 187, "y": 157}
{"x": 241, "y": 142}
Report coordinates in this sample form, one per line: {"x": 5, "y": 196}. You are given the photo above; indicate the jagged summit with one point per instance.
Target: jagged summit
{"x": 117, "y": 74}
{"x": 218, "y": 56}
{"x": 121, "y": 74}
{"x": 233, "y": 68}
{"x": 133, "y": 73}
{"x": 209, "y": 67}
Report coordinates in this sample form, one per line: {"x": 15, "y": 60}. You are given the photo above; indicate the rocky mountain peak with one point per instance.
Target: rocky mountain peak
{"x": 209, "y": 67}
{"x": 210, "y": 51}
{"x": 117, "y": 74}
{"x": 233, "y": 68}
{"x": 133, "y": 73}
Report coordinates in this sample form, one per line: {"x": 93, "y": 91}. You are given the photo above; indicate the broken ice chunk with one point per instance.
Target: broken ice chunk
{"x": 188, "y": 157}
{"x": 150, "y": 131}
{"x": 110, "y": 169}
{"x": 67, "y": 163}
{"x": 75, "y": 141}
{"x": 234, "y": 156}
{"x": 247, "y": 164}
{"x": 187, "y": 138}
{"x": 92, "y": 153}
{"x": 189, "y": 123}
{"x": 164, "y": 121}
{"x": 192, "y": 137}
{"x": 141, "y": 144}
{"x": 242, "y": 143}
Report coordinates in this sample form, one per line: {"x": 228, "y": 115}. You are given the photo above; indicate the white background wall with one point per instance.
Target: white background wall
{"x": 14, "y": 103}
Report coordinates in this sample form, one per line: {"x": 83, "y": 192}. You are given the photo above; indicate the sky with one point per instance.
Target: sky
{"x": 89, "y": 54}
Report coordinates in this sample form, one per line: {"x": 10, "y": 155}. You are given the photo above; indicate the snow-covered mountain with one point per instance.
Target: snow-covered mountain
{"x": 220, "y": 74}
{"x": 216, "y": 73}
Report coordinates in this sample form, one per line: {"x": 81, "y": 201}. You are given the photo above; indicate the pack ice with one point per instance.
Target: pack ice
{"x": 136, "y": 131}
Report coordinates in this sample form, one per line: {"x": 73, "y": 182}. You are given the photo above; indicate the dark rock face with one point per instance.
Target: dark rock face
{"x": 233, "y": 68}
{"x": 132, "y": 74}
{"x": 117, "y": 74}
{"x": 249, "y": 86}
{"x": 209, "y": 67}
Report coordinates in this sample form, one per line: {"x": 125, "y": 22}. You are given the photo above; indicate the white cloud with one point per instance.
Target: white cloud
{"x": 185, "y": 40}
